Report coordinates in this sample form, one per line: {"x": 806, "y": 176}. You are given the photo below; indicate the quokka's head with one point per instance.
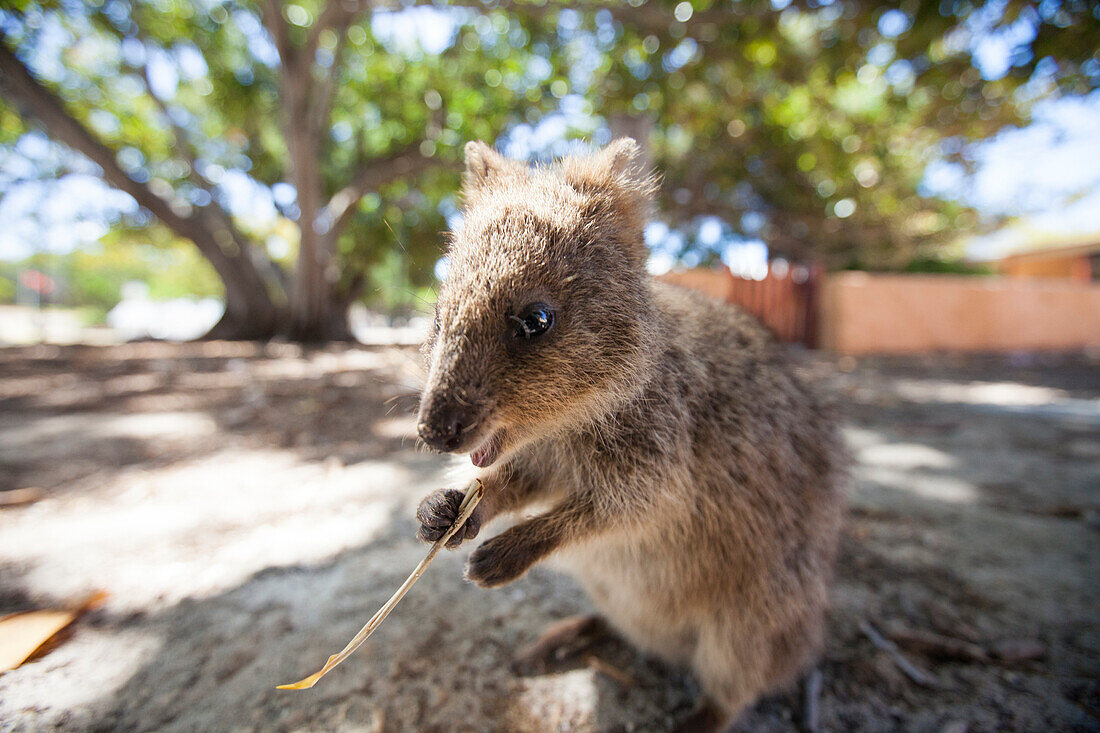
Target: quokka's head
{"x": 544, "y": 314}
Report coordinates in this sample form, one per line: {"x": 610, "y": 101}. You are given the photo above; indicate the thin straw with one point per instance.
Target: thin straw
{"x": 473, "y": 496}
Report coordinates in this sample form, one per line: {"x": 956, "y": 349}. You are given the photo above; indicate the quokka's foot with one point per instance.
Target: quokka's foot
{"x": 560, "y": 640}
{"x": 503, "y": 558}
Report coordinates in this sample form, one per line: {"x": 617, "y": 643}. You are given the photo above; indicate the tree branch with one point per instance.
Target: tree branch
{"x": 38, "y": 102}
{"x": 373, "y": 175}
{"x": 272, "y": 18}
{"x": 336, "y": 16}
{"x": 214, "y": 216}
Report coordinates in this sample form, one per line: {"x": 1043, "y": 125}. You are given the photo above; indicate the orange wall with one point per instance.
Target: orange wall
{"x": 863, "y": 313}
{"x": 1067, "y": 266}
{"x": 715, "y": 283}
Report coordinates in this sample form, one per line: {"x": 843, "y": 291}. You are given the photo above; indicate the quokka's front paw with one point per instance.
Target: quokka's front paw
{"x": 498, "y": 561}
{"x": 438, "y": 511}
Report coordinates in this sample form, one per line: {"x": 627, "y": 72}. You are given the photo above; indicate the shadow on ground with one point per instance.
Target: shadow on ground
{"x": 248, "y": 508}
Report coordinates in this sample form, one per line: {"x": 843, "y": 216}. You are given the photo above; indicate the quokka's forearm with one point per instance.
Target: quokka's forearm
{"x": 508, "y": 490}
{"x": 509, "y": 555}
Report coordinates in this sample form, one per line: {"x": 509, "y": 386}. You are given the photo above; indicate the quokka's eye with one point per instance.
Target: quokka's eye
{"x": 534, "y": 321}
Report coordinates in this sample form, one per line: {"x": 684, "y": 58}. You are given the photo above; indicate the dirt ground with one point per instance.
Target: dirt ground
{"x": 247, "y": 508}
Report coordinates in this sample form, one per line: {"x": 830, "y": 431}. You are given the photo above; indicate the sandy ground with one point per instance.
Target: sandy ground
{"x": 248, "y": 508}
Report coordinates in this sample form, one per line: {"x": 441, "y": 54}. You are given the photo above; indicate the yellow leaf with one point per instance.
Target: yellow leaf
{"x": 22, "y": 634}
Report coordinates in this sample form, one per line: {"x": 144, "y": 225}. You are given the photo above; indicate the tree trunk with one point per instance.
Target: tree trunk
{"x": 249, "y": 314}
{"x": 316, "y": 312}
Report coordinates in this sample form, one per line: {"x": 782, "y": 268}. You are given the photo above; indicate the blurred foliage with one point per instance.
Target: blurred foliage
{"x": 811, "y": 127}
{"x": 806, "y": 124}
{"x": 11, "y": 125}
{"x": 220, "y": 114}
{"x": 933, "y": 265}
{"x": 94, "y": 276}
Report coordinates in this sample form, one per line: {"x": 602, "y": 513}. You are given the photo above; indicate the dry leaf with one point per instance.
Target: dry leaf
{"x": 20, "y": 497}
{"x": 22, "y": 634}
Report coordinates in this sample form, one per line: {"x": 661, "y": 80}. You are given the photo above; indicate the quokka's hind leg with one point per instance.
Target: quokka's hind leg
{"x": 730, "y": 668}
{"x": 706, "y": 717}
{"x": 561, "y": 639}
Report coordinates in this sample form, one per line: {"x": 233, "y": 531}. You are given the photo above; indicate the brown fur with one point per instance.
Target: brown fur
{"x": 694, "y": 480}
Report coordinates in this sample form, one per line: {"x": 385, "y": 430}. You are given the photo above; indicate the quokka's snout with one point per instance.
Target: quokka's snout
{"x": 445, "y": 423}
{"x": 454, "y": 425}
{"x": 453, "y": 404}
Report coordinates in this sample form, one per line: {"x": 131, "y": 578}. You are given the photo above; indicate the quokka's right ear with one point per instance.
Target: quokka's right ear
{"x": 483, "y": 164}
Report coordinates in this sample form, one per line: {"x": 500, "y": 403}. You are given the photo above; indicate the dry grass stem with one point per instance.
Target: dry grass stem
{"x": 473, "y": 496}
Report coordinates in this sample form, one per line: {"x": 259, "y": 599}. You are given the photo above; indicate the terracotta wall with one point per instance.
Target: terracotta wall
{"x": 713, "y": 282}
{"x": 864, "y": 313}
{"x": 1067, "y": 266}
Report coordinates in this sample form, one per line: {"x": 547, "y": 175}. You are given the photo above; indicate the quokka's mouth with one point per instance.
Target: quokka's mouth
{"x": 487, "y": 453}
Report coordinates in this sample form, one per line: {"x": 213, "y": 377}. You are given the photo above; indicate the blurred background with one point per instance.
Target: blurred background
{"x": 287, "y": 162}
{"x": 220, "y": 223}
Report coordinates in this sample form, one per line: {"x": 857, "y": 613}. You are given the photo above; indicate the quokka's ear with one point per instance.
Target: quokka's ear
{"x": 617, "y": 184}
{"x": 621, "y": 157}
{"x": 616, "y": 171}
{"x": 483, "y": 164}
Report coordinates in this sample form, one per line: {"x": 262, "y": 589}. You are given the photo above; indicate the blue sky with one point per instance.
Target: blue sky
{"x": 1047, "y": 173}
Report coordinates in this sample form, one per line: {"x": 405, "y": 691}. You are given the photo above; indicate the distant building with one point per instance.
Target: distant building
{"x": 1080, "y": 262}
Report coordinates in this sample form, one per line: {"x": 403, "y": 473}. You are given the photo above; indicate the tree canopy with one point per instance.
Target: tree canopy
{"x": 806, "y": 124}
{"x": 811, "y": 127}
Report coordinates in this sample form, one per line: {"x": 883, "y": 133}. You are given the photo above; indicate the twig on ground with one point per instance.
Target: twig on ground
{"x": 610, "y": 670}
{"x": 938, "y": 646}
{"x": 911, "y": 670}
{"x": 811, "y": 708}
{"x": 473, "y": 496}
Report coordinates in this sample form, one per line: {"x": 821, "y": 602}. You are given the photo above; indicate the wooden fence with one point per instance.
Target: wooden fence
{"x": 785, "y": 300}
{"x": 873, "y": 313}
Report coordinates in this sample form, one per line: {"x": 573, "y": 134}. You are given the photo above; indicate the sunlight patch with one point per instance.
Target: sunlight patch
{"x": 569, "y": 699}
{"x": 197, "y": 528}
{"x": 906, "y": 456}
{"x": 59, "y": 435}
{"x": 927, "y": 486}
{"x": 976, "y": 393}
{"x": 91, "y": 667}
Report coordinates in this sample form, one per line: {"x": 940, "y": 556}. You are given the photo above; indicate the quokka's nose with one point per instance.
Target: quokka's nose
{"x": 443, "y": 428}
